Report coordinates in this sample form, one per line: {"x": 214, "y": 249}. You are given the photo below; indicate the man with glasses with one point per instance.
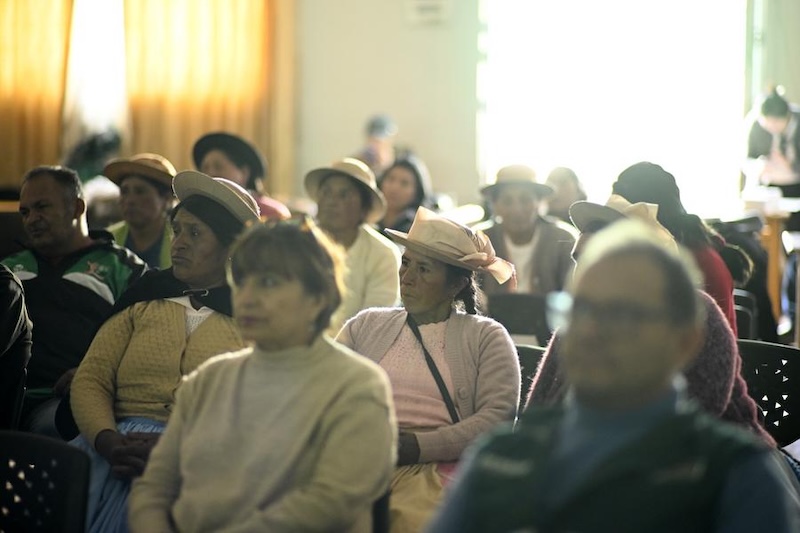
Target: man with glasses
{"x": 627, "y": 451}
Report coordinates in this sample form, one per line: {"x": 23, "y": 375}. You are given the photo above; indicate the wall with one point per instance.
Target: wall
{"x": 359, "y": 57}
{"x": 780, "y": 44}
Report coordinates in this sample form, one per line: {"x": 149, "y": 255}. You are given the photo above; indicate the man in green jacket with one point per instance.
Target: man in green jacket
{"x": 71, "y": 277}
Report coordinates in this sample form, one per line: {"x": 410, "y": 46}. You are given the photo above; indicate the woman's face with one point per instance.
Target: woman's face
{"x": 275, "y": 312}
{"x": 399, "y": 186}
{"x": 198, "y": 258}
{"x": 424, "y": 289}
{"x": 141, "y": 203}
{"x": 339, "y": 206}
{"x": 217, "y": 164}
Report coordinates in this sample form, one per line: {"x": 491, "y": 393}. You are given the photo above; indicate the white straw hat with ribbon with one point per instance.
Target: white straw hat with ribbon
{"x": 440, "y": 238}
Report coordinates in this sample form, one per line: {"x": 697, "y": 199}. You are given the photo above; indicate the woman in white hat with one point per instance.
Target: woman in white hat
{"x": 454, "y": 373}
{"x": 145, "y": 198}
{"x": 164, "y": 327}
{"x": 348, "y": 203}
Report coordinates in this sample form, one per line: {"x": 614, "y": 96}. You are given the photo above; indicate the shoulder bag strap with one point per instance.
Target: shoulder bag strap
{"x": 448, "y": 401}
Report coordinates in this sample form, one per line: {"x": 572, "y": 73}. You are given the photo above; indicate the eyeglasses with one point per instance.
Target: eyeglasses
{"x": 563, "y": 310}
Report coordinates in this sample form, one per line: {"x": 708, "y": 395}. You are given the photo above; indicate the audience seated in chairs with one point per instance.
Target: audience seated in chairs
{"x": 15, "y": 348}
{"x": 72, "y": 277}
{"x": 307, "y": 425}
{"x": 164, "y": 327}
{"x": 627, "y": 452}
{"x": 538, "y": 246}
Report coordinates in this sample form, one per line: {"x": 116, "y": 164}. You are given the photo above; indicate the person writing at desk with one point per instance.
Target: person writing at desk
{"x": 773, "y": 145}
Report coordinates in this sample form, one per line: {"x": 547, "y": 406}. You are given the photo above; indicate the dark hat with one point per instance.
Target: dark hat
{"x": 233, "y": 145}
{"x": 650, "y": 183}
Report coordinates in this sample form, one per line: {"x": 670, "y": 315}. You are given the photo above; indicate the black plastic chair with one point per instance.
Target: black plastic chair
{"x": 529, "y": 357}
{"x": 521, "y": 314}
{"x": 745, "y": 323}
{"x": 45, "y": 484}
{"x": 772, "y": 373}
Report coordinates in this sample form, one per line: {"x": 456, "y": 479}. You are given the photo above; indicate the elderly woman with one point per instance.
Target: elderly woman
{"x": 406, "y": 185}
{"x": 165, "y": 326}
{"x": 145, "y": 198}
{"x": 231, "y": 157}
{"x": 349, "y": 201}
{"x": 317, "y": 419}
{"x": 454, "y": 374}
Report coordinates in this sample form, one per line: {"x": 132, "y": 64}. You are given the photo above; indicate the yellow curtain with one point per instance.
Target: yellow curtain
{"x": 33, "y": 57}
{"x": 194, "y": 67}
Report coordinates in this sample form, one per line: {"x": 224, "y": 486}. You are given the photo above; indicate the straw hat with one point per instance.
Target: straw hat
{"x": 153, "y": 167}
{"x": 584, "y": 214}
{"x": 439, "y": 238}
{"x": 517, "y": 175}
{"x": 232, "y": 144}
{"x": 360, "y": 173}
{"x": 228, "y": 194}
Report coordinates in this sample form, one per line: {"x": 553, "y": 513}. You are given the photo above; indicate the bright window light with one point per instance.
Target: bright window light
{"x": 597, "y": 86}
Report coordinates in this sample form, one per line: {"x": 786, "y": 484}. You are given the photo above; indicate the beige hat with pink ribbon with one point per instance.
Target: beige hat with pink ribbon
{"x": 440, "y": 238}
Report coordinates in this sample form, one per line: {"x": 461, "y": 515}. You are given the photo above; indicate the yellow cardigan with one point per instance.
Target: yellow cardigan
{"x": 137, "y": 361}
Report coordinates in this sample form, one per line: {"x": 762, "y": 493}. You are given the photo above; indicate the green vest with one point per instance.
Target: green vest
{"x": 120, "y": 232}
{"x": 668, "y": 480}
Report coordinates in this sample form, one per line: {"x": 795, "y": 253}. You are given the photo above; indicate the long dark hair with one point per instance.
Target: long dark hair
{"x": 470, "y": 298}
{"x": 421, "y": 175}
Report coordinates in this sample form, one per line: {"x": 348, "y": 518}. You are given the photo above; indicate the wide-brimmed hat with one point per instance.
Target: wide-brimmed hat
{"x": 517, "y": 175}
{"x": 586, "y": 214}
{"x": 228, "y": 194}
{"x": 439, "y": 238}
{"x": 230, "y": 144}
{"x": 153, "y": 167}
{"x": 360, "y": 173}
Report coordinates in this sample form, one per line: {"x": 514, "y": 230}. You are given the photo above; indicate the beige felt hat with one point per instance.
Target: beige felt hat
{"x": 517, "y": 175}
{"x": 228, "y": 194}
{"x": 358, "y": 171}
{"x": 154, "y": 167}
{"x": 585, "y": 214}
{"x": 439, "y": 238}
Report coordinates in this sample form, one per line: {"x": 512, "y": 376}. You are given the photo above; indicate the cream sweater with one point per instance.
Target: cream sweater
{"x": 297, "y": 440}
{"x": 137, "y": 361}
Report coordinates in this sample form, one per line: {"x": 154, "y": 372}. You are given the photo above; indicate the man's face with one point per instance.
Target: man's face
{"x": 49, "y": 219}
{"x": 621, "y": 347}
{"x": 517, "y": 206}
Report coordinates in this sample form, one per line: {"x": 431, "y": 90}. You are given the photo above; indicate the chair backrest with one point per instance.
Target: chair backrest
{"x": 529, "y": 357}
{"x": 772, "y": 373}
{"x": 745, "y": 323}
{"x": 523, "y": 314}
{"x": 45, "y": 484}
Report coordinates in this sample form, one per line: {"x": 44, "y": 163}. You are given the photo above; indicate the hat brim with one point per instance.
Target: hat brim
{"x": 189, "y": 183}
{"x": 377, "y": 206}
{"x": 116, "y": 171}
{"x": 233, "y": 143}
{"x": 539, "y": 189}
{"x": 583, "y": 214}
{"x": 402, "y": 238}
